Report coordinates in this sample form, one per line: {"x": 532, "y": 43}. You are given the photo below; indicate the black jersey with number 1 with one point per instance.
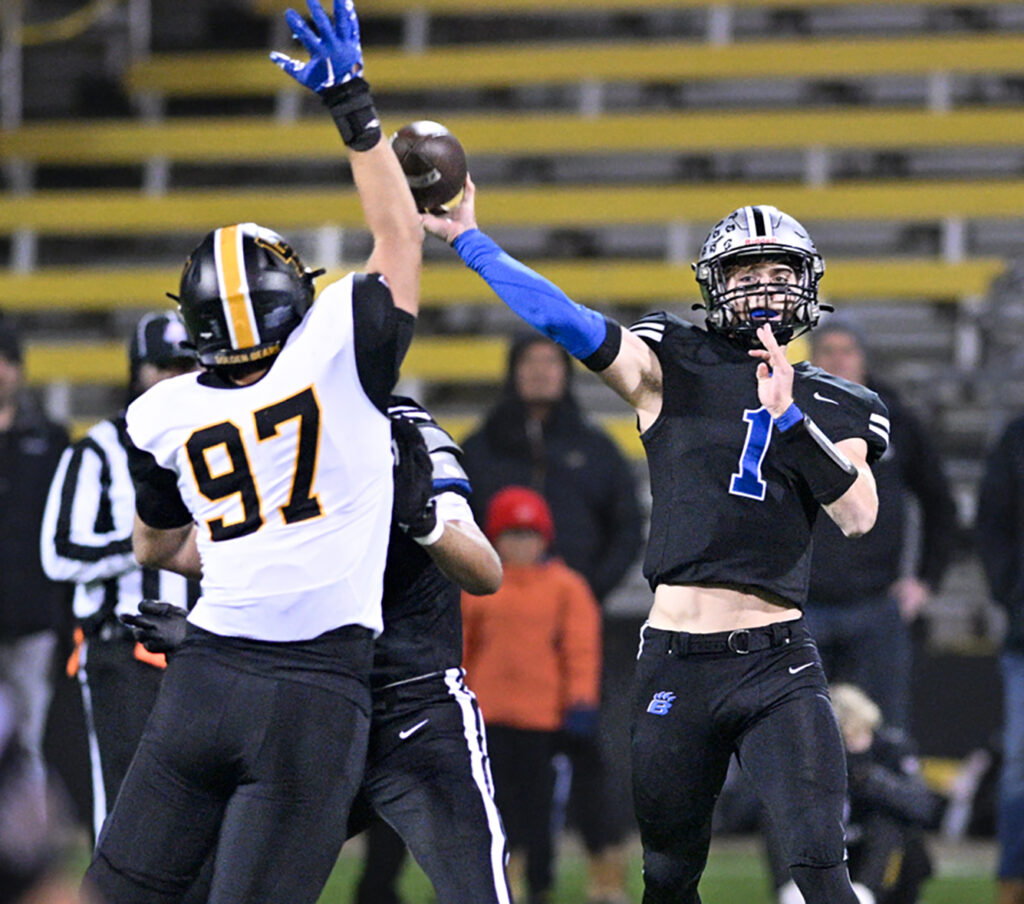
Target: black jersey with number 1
{"x": 726, "y": 508}
{"x": 422, "y": 612}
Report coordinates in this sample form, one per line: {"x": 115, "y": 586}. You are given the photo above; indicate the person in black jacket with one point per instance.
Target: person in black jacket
{"x": 31, "y": 606}
{"x": 862, "y": 600}
{"x": 1000, "y": 540}
{"x": 890, "y": 807}
{"x": 86, "y": 539}
{"x": 536, "y": 436}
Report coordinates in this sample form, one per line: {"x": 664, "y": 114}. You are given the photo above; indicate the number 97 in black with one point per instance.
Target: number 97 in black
{"x": 239, "y": 479}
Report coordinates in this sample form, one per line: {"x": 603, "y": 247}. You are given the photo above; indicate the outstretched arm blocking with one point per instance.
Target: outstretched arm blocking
{"x": 334, "y": 72}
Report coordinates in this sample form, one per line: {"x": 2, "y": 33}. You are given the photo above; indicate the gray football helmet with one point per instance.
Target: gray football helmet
{"x": 746, "y": 236}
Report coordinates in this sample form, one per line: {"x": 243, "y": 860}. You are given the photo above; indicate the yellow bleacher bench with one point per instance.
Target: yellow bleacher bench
{"x": 242, "y": 73}
{"x": 546, "y": 7}
{"x": 448, "y": 359}
{"x": 261, "y": 139}
{"x": 193, "y": 212}
{"x": 622, "y": 282}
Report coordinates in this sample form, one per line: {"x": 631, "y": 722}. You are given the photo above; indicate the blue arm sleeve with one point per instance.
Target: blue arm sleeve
{"x": 579, "y": 330}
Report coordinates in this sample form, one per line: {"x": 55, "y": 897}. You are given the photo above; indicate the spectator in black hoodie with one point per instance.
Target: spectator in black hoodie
{"x": 866, "y": 593}
{"x": 1000, "y": 528}
{"x": 537, "y": 436}
{"x": 32, "y": 607}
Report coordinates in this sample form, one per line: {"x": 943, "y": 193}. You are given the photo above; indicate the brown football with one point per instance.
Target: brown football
{"x": 434, "y": 164}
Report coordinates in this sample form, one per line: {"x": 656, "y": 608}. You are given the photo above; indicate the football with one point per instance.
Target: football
{"x": 434, "y": 164}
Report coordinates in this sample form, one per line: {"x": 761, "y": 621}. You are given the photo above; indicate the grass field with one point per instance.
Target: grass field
{"x": 735, "y": 875}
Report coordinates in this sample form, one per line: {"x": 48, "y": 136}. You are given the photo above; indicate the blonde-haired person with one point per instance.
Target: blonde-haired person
{"x": 889, "y": 806}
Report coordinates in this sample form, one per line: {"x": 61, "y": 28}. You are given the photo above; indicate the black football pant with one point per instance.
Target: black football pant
{"x": 762, "y": 694}
{"x": 118, "y": 694}
{"x": 428, "y": 775}
{"x": 253, "y": 749}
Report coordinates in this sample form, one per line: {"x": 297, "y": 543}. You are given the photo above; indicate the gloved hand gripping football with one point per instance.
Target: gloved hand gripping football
{"x": 334, "y": 70}
{"x": 159, "y": 626}
{"x": 414, "y": 509}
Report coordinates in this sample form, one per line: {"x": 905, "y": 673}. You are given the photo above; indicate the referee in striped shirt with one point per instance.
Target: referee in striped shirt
{"x": 87, "y": 539}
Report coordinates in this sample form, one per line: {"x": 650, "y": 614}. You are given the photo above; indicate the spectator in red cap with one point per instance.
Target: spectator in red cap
{"x": 532, "y": 653}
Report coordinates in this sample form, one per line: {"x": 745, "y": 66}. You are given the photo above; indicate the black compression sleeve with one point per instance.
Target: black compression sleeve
{"x": 827, "y": 472}
{"x": 382, "y": 336}
{"x": 157, "y": 499}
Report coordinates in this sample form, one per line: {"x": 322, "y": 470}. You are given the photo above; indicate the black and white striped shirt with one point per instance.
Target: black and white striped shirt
{"x": 87, "y": 532}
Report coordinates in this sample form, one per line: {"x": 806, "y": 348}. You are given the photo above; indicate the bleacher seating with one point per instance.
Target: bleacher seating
{"x": 212, "y": 74}
{"x": 247, "y": 139}
{"x": 602, "y": 157}
{"x": 626, "y": 283}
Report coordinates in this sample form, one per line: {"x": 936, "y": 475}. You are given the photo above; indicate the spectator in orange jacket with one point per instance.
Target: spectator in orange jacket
{"x": 532, "y": 653}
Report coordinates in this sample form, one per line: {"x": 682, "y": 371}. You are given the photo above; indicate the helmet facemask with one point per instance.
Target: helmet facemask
{"x": 760, "y": 235}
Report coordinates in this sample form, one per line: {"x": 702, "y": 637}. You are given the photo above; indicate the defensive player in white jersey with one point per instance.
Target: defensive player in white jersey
{"x": 270, "y": 474}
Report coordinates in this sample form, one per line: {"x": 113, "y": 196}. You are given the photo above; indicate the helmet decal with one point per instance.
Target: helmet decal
{"x": 234, "y": 286}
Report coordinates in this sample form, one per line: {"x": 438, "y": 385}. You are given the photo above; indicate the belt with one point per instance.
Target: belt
{"x": 739, "y": 642}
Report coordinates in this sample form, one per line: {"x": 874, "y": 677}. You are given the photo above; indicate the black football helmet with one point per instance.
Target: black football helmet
{"x": 750, "y": 235}
{"x": 243, "y": 290}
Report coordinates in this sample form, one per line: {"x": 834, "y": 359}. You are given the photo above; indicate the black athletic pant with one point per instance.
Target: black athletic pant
{"x": 524, "y": 787}
{"x": 428, "y": 775}
{"x": 118, "y": 694}
{"x": 253, "y": 749}
{"x": 762, "y": 694}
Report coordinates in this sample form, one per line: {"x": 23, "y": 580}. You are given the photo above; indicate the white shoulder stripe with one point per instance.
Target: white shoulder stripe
{"x": 882, "y": 433}
{"x": 654, "y": 332}
{"x": 647, "y": 333}
{"x": 650, "y": 320}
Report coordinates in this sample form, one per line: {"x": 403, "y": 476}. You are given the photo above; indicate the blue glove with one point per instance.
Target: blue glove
{"x": 335, "y": 71}
{"x": 335, "y": 57}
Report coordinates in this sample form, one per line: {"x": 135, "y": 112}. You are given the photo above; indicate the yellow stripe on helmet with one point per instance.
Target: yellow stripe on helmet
{"x": 234, "y": 287}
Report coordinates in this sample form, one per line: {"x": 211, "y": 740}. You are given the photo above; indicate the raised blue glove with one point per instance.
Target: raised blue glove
{"x": 334, "y": 71}
{"x": 335, "y": 55}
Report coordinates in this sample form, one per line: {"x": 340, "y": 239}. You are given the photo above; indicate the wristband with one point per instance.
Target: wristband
{"x": 351, "y": 107}
{"x": 788, "y": 418}
{"x": 431, "y": 538}
{"x": 827, "y": 472}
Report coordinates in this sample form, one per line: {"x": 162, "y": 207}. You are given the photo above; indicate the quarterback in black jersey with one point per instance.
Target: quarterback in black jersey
{"x": 743, "y": 450}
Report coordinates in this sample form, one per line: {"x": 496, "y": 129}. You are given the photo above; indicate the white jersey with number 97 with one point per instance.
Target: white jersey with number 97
{"x": 288, "y": 480}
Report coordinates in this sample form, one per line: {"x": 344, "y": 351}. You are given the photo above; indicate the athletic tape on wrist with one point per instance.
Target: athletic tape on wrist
{"x": 827, "y": 472}
{"x": 352, "y": 109}
{"x": 435, "y": 535}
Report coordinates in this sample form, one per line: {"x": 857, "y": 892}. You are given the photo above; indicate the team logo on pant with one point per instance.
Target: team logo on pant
{"x": 661, "y": 703}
